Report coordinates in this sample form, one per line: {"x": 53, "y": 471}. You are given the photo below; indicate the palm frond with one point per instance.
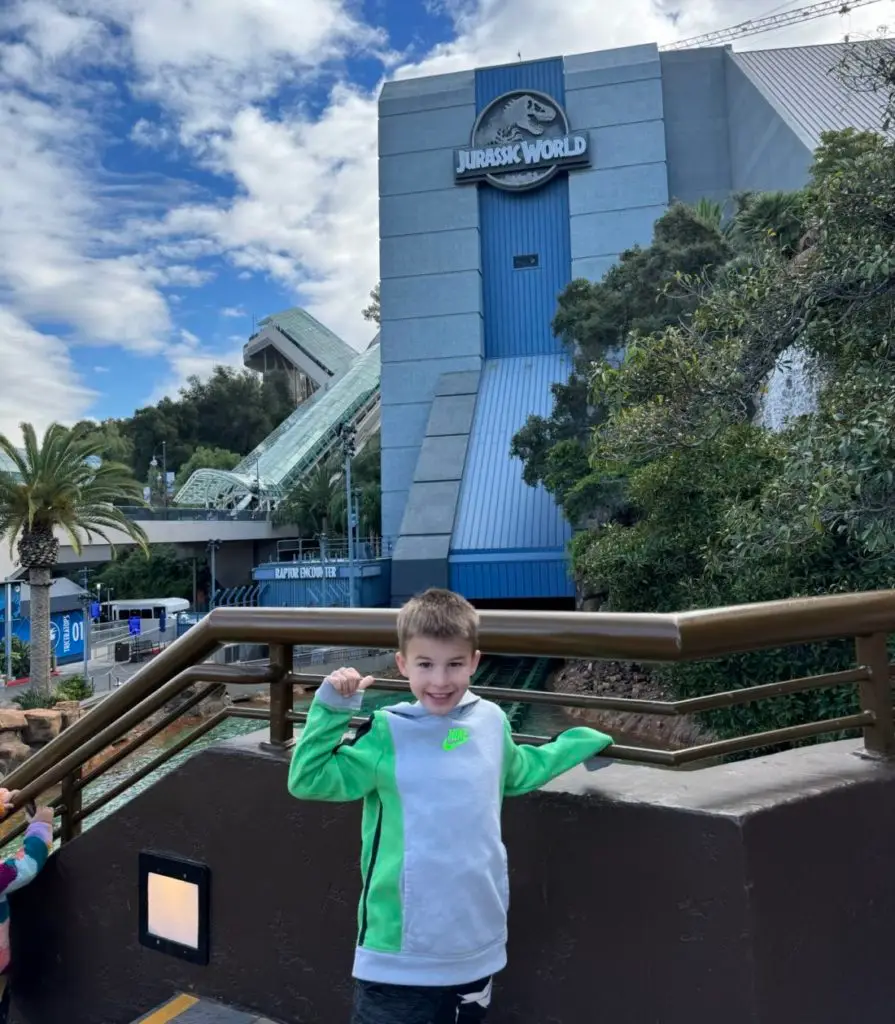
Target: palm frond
{"x": 54, "y": 487}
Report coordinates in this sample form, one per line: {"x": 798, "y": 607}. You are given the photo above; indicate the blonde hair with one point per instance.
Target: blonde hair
{"x": 439, "y": 615}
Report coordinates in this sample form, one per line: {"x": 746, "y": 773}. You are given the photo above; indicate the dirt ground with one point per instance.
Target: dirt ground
{"x": 624, "y": 679}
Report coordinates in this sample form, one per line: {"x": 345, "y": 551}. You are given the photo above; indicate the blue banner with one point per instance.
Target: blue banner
{"x": 66, "y": 635}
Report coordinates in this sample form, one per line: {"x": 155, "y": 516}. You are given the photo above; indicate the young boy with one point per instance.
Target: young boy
{"x": 432, "y": 775}
{"x": 16, "y": 872}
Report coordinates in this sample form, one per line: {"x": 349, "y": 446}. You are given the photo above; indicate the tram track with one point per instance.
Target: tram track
{"x": 514, "y": 674}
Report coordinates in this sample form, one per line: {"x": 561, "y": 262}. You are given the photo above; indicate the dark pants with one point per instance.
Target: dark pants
{"x": 400, "y": 1004}
{"x": 4, "y": 1006}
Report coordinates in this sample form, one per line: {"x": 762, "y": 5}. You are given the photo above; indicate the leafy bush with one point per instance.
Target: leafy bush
{"x": 21, "y": 659}
{"x": 75, "y": 688}
{"x": 33, "y": 698}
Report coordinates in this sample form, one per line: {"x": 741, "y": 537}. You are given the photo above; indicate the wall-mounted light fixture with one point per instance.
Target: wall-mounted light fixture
{"x": 174, "y": 906}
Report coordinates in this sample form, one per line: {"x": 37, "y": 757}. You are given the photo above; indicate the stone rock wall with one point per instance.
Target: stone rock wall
{"x": 24, "y": 732}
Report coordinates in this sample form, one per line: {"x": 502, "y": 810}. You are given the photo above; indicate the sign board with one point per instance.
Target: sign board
{"x": 66, "y": 634}
{"x": 305, "y": 572}
{"x": 520, "y": 141}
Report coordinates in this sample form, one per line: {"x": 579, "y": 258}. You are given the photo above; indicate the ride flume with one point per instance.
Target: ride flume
{"x": 515, "y": 674}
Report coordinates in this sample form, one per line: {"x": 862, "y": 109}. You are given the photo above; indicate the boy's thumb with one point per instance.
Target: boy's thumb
{"x": 365, "y": 682}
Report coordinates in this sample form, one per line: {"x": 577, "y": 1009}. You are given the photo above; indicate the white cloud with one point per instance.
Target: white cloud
{"x": 73, "y": 248}
{"x": 38, "y": 382}
{"x": 206, "y": 59}
{"x": 50, "y": 216}
{"x": 234, "y": 312}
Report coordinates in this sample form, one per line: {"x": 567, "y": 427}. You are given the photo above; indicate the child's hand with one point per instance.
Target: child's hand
{"x": 348, "y": 681}
{"x": 44, "y": 815}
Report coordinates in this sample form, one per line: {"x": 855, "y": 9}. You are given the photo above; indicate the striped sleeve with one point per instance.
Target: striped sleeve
{"x": 21, "y": 869}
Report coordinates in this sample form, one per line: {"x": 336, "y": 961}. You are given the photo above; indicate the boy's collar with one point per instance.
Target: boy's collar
{"x": 416, "y": 710}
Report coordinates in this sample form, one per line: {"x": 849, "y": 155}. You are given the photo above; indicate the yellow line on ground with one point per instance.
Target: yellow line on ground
{"x": 171, "y": 1010}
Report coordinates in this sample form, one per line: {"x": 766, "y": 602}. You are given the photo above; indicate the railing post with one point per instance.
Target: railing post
{"x": 281, "y": 698}
{"x": 876, "y": 695}
{"x": 70, "y": 807}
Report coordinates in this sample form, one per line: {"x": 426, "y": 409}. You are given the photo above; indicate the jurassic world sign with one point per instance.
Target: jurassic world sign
{"x": 520, "y": 141}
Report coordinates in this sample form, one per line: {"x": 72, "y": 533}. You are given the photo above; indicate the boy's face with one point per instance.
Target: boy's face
{"x": 439, "y": 671}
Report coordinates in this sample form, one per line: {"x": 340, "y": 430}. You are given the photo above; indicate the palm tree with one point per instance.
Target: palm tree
{"x": 59, "y": 483}
{"x": 315, "y": 500}
{"x": 775, "y": 217}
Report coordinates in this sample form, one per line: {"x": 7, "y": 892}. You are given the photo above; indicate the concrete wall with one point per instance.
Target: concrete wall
{"x": 420, "y": 558}
{"x": 694, "y": 90}
{"x": 616, "y": 95}
{"x": 765, "y": 153}
{"x": 430, "y": 266}
{"x": 754, "y": 893}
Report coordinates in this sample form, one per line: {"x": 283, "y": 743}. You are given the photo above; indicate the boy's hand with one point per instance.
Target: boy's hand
{"x": 348, "y": 681}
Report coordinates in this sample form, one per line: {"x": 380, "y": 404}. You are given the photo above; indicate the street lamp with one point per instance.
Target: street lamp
{"x": 348, "y": 439}
{"x": 212, "y": 546}
{"x": 154, "y": 464}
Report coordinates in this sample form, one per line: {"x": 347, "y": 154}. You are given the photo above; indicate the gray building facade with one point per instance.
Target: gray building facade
{"x": 471, "y": 269}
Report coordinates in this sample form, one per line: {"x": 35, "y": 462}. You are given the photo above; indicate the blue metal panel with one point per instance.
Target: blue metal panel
{"x": 519, "y": 304}
{"x": 498, "y": 510}
{"x": 508, "y": 578}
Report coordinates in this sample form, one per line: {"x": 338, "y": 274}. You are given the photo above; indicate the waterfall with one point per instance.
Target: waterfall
{"x": 790, "y": 389}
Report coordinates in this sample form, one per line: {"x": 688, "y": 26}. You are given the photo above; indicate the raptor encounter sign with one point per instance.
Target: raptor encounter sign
{"x": 520, "y": 141}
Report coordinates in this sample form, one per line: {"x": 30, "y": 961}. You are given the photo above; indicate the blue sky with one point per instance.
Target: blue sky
{"x": 171, "y": 168}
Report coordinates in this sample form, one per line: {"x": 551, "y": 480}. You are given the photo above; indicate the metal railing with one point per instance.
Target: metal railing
{"x": 180, "y": 514}
{"x": 867, "y": 618}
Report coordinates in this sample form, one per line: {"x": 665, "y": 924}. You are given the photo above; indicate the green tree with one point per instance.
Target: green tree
{"x": 233, "y": 410}
{"x": 316, "y": 502}
{"x": 162, "y": 574}
{"x": 57, "y": 485}
{"x": 725, "y": 511}
{"x": 117, "y": 446}
{"x": 372, "y": 312}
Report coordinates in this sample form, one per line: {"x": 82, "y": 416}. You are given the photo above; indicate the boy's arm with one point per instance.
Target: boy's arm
{"x": 324, "y": 767}
{"x": 21, "y": 869}
{"x": 527, "y": 768}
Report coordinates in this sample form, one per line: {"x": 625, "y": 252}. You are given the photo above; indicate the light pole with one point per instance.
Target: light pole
{"x": 212, "y": 546}
{"x": 153, "y": 462}
{"x": 349, "y": 447}
{"x": 7, "y": 632}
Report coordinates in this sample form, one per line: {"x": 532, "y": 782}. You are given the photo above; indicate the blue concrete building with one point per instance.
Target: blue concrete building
{"x": 497, "y": 188}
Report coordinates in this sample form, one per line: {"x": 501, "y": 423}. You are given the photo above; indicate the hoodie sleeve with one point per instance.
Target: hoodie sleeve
{"x": 21, "y": 869}
{"x": 527, "y": 768}
{"x": 325, "y": 766}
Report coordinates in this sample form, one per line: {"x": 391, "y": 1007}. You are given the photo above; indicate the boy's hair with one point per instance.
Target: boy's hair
{"x": 439, "y": 615}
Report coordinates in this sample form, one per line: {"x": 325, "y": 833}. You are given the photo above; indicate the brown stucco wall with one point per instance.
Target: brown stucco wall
{"x": 760, "y": 892}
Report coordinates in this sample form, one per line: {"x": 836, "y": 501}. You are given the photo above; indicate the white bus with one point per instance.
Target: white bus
{"x": 148, "y": 608}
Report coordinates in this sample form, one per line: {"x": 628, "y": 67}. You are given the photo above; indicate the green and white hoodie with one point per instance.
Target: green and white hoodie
{"x": 433, "y": 909}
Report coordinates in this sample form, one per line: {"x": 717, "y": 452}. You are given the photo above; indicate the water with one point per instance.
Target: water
{"x": 790, "y": 391}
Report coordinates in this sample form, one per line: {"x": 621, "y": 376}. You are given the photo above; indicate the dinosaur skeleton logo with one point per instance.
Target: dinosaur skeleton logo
{"x": 519, "y": 141}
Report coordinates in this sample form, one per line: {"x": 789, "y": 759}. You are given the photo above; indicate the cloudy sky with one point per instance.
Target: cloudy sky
{"x": 170, "y": 168}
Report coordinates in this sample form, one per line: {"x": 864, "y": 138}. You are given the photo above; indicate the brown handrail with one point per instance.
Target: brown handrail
{"x": 634, "y": 637}
{"x": 633, "y": 705}
{"x": 674, "y": 637}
